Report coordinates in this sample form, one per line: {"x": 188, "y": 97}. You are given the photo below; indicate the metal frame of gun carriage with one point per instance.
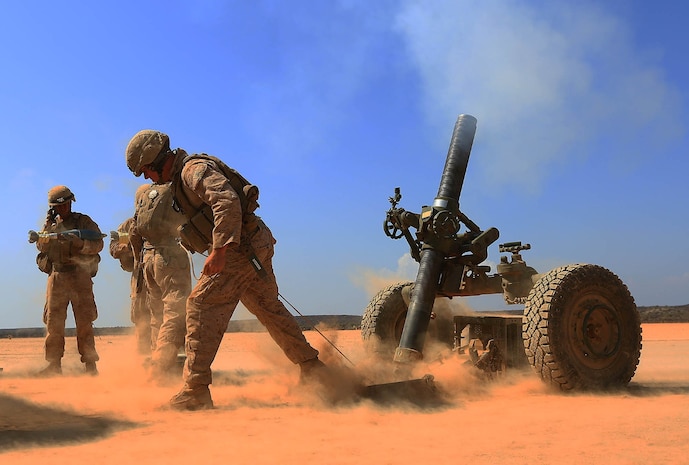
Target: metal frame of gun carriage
{"x": 579, "y": 327}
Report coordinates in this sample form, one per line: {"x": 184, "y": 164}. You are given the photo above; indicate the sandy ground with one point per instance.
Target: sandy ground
{"x": 263, "y": 416}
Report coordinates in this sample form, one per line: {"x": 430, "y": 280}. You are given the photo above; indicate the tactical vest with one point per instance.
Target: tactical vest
{"x": 197, "y": 234}
{"x": 156, "y": 220}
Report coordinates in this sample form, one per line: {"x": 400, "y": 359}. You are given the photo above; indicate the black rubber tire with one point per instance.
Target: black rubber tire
{"x": 384, "y": 317}
{"x": 582, "y": 329}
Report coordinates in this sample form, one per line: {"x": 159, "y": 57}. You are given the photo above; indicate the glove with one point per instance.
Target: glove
{"x": 76, "y": 241}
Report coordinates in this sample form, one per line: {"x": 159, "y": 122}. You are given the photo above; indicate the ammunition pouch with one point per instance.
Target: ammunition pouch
{"x": 44, "y": 263}
{"x": 196, "y": 234}
{"x": 251, "y": 195}
{"x": 88, "y": 263}
{"x": 250, "y": 225}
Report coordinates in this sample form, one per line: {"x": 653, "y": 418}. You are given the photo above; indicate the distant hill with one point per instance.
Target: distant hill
{"x": 652, "y": 314}
{"x": 665, "y": 314}
{"x": 308, "y": 322}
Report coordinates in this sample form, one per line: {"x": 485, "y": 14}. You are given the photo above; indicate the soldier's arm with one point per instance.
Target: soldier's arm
{"x": 43, "y": 244}
{"x": 117, "y": 248}
{"x": 90, "y": 247}
{"x": 213, "y": 188}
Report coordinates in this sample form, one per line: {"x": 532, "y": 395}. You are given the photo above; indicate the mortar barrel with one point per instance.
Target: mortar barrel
{"x": 420, "y": 307}
{"x": 457, "y": 160}
{"x": 431, "y": 262}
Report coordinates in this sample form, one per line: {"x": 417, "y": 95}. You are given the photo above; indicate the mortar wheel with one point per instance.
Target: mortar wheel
{"x": 582, "y": 329}
{"x": 384, "y": 317}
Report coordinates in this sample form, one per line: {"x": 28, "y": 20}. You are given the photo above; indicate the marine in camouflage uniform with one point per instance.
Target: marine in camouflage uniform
{"x": 140, "y": 314}
{"x": 166, "y": 272}
{"x": 228, "y": 275}
{"x": 72, "y": 263}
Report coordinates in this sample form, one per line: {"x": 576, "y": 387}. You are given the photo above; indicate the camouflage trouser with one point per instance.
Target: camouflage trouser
{"x": 141, "y": 317}
{"x": 168, "y": 284}
{"x": 65, "y": 287}
{"x": 214, "y": 299}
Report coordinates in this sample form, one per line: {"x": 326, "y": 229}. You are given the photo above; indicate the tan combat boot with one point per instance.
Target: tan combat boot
{"x": 54, "y": 368}
{"x": 90, "y": 368}
{"x": 192, "y": 398}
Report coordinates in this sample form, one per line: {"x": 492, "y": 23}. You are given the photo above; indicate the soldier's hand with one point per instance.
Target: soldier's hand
{"x": 215, "y": 262}
{"x": 77, "y": 242}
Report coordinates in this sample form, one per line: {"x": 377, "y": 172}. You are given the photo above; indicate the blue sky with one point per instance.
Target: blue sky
{"x": 581, "y": 146}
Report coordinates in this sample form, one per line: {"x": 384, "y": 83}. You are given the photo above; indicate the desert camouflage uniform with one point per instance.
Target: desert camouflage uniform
{"x": 214, "y": 298}
{"x": 140, "y": 314}
{"x": 70, "y": 281}
{"x": 166, "y": 271}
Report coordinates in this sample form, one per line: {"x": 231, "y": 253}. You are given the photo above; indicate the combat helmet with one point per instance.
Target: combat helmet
{"x": 144, "y": 148}
{"x": 60, "y": 194}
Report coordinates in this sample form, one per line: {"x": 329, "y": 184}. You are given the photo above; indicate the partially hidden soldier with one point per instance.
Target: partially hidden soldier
{"x": 154, "y": 236}
{"x": 218, "y": 204}
{"x": 71, "y": 261}
{"x": 140, "y": 314}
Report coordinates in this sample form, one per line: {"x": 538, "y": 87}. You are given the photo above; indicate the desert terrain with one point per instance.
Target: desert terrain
{"x": 263, "y": 416}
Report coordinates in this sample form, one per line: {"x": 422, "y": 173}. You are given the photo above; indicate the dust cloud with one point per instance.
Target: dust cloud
{"x": 264, "y": 416}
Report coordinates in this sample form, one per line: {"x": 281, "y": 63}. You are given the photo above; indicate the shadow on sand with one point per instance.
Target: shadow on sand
{"x": 23, "y": 424}
{"x": 649, "y": 389}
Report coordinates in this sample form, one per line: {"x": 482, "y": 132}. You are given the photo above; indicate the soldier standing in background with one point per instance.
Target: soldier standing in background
{"x": 71, "y": 262}
{"x": 140, "y": 314}
{"x": 219, "y": 214}
{"x": 154, "y": 237}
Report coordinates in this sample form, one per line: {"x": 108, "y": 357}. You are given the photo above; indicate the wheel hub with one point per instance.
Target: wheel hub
{"x": 595, "y": 333}
{"x": 601, "y": 331}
